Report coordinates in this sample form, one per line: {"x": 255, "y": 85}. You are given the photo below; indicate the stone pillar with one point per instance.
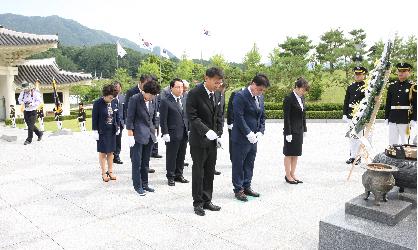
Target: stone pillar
{"x": 7, "y": 89}
{"x": 66, "y": 101}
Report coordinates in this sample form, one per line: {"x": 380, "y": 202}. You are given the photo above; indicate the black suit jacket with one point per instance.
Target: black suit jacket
{"x": 294, "y": 117}
{"x": 353, "y": 95}
{"x": 203, "y": 116}
{"x": 131, "y": 92}
{"x": 172, "y": 119}
{"x": 141, "y": 120}
{"x": 99, "y": 115}
{"x": 230, "y": 109}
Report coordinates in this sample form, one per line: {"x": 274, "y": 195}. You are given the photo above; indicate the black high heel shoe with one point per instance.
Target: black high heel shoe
{"x": 290, "y": 182}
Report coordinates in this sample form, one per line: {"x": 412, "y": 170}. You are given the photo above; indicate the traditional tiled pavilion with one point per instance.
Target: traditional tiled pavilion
{"x": 14, "y": 48}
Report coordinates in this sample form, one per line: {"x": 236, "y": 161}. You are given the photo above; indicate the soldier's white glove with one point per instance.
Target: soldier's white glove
{"x": 289, "y": 138}
{"x": 96, "y": 135}
{"x": 118, "y": 131}
{"x": 345, "y": 118}
{"x": 166, "y": 138}
{"x": 252, "y": 138}
{"x": 413, "y": 124}
{"x": 386, "y": 122}
{"x": 131, "y": 141}
{"x": 211, "y": 135}
{"x": 218, "y": 143}
{"x": 259, "y": 136}
{"x": 230, "y": 126}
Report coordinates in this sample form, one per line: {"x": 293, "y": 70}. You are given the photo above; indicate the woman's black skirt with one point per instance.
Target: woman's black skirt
{"x": 107, "y": 142}
{"x": 293, "y": 148}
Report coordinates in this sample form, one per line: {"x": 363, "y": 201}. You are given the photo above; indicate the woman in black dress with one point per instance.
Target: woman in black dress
{"x": 104, "y": 128}
{"x": 294, "y": 128}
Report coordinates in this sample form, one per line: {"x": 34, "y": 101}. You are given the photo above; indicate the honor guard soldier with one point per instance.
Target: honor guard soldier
{"x": 81, "y": 117}
{"x": 58, "y": 116}
{"x": 40, "y": 114}
{"x": 13, "y": 115}
{"x": 398, "y": 105}
{"x": 30, "y": 98}
{"x": 353, "y": 96}
{"x": 413, "y": 114}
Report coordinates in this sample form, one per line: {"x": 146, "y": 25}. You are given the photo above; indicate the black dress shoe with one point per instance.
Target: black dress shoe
{"x": 40, "y": 136}
{"x": 217, "y": 172}
{"x": 199, "y": 210}
{"x": 181, "y": 179}
{"x": 210, "y": 206}
{"x": 171, "y": 182}
{"x": 148, "y": 189}
{"x": 156, "y": 156}
{"x": 117, "y": 161}
{"x": 185, "y": 164}
{"x": 151, "y": 170}
{"x": 290, "y": 182}
{"x": 298, "y": 181}
{"x": 26, "y": 143}
{"x": 349, "y": 161}
{"x": 250, "y": 192}
{"x": 241, "y": 196}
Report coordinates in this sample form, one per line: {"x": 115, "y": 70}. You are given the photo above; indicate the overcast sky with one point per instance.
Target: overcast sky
{"x": 234, "y": 25}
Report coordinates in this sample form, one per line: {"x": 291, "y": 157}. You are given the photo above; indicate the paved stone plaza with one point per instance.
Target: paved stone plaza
{"x": 52, "y": 196}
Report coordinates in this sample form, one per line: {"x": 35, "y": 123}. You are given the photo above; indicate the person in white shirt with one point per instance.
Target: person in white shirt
{"x": 30, "y": 98}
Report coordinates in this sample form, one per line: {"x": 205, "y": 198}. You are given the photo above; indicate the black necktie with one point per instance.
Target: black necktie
{"x": 178, "y": 103}
{"x": 211, "y": 100}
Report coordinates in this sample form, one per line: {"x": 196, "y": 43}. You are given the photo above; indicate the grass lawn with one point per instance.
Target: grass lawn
{"x": 334, "y": 94}
{"x": 66, "y": 124}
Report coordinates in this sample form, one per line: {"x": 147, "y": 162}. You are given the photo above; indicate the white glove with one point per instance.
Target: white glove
{"x": 166, "y": 138}
{"x": 345, "y": 118}
{"x": 259, "y": 136}
{"x": 413, "y": 123}
{"x": 305, "y": 134}
{"x": 118, "y": 131}
{"x": 289, "y": 138}
{"x": 218, "y": 143}
{"x": 211, "y": 135}
{"x": 386, "y": 122}
{"x": 96, "y": 135}
{"x": 252, "y": 138}
{"x": 131, "y": 141}
{"x": 230, "y": 126}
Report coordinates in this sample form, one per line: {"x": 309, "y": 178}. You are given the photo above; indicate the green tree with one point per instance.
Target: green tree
{"x": 122, "y": 76}
{"x": 330, "y": 48}
{"x": 252, "y": 64}
{"x": 184, "y": 69}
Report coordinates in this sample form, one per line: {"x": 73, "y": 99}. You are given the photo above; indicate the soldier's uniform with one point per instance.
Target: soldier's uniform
{"x": 58, "y": 116}
{"x": 398, "y": 106}
{"x": 40, "y": 114}
{"x": 81, "y": 117}
{"x": 353, "y": 95}
{"x": 13, "y": 115}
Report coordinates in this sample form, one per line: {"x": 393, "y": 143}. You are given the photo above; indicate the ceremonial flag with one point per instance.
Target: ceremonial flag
{"x": 206, "y": 32}
{"x": 121, "y": 52}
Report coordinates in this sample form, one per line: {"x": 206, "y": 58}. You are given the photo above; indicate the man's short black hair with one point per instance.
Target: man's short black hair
{"x": 302, "y": 83}
{"x": 144, "y": 78}
{"x": 261, "y": 80}
{"x": 151, "y": 87}
{"x": 215, "y": 71}
{"x": 108, "y": 90}
{"x": 172, "y": 82}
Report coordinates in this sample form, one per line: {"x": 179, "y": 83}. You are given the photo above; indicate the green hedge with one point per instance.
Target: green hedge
{"x": 311, "y": 106}
{"x": 46, "y": 119}
{"x": 335, "y": 114}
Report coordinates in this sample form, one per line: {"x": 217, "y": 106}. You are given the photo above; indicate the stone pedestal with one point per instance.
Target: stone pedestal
{"x": 361, "y": 225}
{"x": 389, "y": 213}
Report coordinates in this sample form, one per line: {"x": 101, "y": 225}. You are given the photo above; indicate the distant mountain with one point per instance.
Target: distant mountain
{"x": 70, "y": 32}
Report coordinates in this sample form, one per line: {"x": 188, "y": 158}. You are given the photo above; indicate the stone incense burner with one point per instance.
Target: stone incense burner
{"x": 378, "y": 179}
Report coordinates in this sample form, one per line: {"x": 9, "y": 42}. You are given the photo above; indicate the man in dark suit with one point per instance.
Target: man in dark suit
{"x": 249, "y": 124}
{"x": 230, "y": 119}
{"x": 144, "y": 78}
{"x": 119, "y": 102}
{"x": 204, "y": 114}
{"x": 174, "y": 128}
{"x": 141, "y": 134}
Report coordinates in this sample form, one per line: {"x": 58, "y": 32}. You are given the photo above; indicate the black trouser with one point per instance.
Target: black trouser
{"x": 203, "y": 170}
{"x": 30, "y": 119}
{"x": 175, "y": 154}
{"x": 118, "y": 143}
{"x": 155, "y": 149}
{"x": 230, "y": 144}
{"x": 140, "y": 156}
